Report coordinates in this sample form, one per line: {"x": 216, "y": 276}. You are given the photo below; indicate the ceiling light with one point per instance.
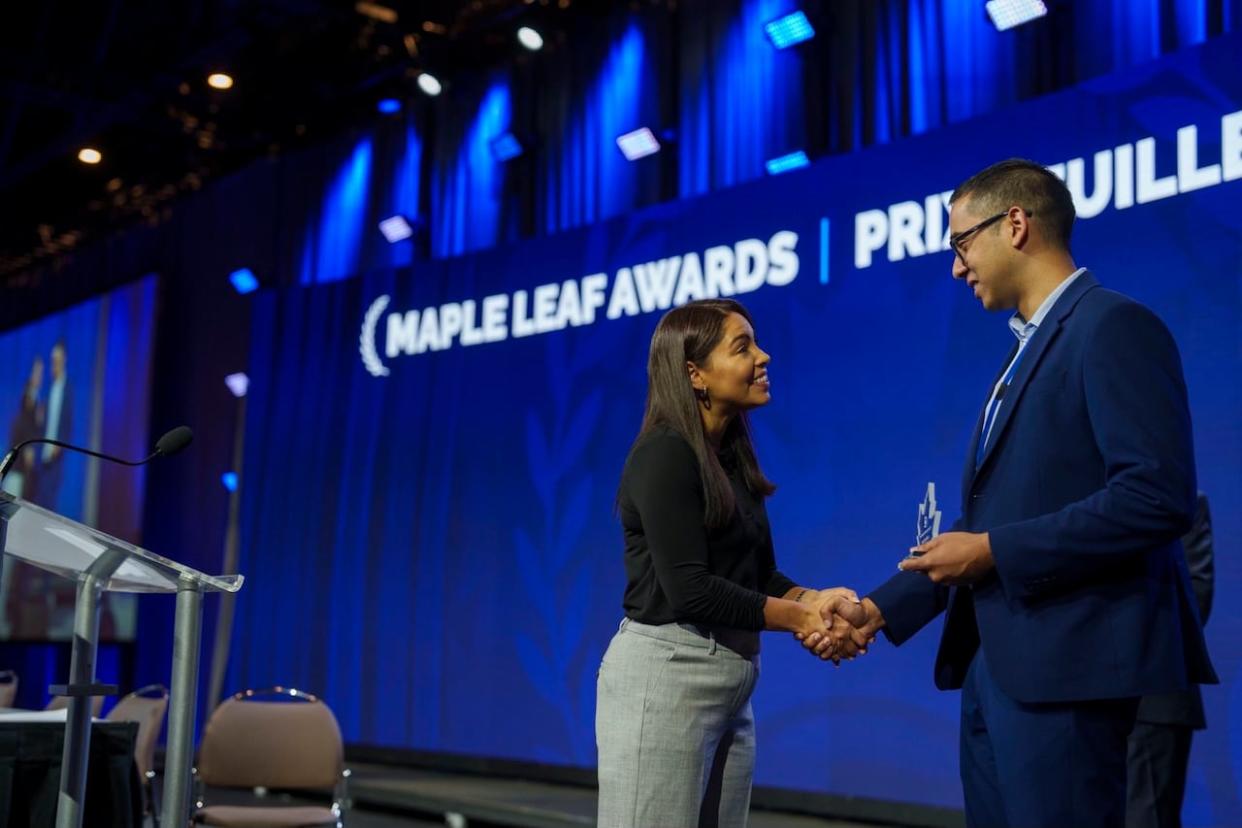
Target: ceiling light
{"x": 1006, "y": 14}
{"x": 376, "y": 12}
{"x": 530, "y": 38}
{"x": 637, "y": 144}
{"x": 429, "y": 84}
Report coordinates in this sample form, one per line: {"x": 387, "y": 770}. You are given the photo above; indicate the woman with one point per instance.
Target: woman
{"x": 673, "y": 718}
{"x": 27, "y": 424}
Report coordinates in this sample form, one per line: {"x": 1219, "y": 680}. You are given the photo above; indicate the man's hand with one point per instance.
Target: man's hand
{"x": 853, "y": 629}
{"x": 953, "y": 558}
{"x": 841, "y": 611}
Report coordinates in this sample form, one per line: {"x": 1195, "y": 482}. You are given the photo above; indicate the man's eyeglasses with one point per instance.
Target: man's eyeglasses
{"x": 955, "y": 241}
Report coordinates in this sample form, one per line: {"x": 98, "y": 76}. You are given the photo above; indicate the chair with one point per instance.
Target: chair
{"x": 293, "y": 743}
{"x": 8, "y": 688}
{"x": 147, "y": 707}
{"x": 60, "y": 702}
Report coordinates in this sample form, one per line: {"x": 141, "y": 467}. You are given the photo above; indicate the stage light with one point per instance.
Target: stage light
{"x": 789, "y": 30}
{"x": 238, "y": 383}
{"x": 637, "y": 144}
{"x": 89, "y": 155}
{"x": 430, "y": 84}
{"x": 219, "y": 80}
{"x": 388, "y": 106}
{"x": 396, "y": 228}
{"x": 505, "y": 147}
{"x": 785, "y": 163}
{"x": 244, "y": 280}
{"x": 530, "y": 38}
{"x": 376, "y": 12}
{"x": 1006, "y": 14}
{"x": 229, "y": 479}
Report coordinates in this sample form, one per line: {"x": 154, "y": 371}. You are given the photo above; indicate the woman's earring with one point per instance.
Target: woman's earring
{"x": 704, "y": 397}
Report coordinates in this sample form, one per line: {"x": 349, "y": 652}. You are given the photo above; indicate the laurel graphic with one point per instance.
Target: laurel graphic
{"x": 366, "y": 340}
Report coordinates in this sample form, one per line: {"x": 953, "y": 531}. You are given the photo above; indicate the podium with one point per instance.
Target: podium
{"x": 98, "y": 562}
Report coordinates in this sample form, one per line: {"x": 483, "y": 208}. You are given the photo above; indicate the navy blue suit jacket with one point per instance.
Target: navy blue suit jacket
{"x": 1184, "y": 708}
{"x": 1087, "y": 484}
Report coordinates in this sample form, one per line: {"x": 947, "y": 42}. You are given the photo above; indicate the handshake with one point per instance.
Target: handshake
{"x": 833, "y": 623}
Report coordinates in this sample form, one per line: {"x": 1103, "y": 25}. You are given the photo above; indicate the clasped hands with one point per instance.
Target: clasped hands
{"x": 837, "y": 625}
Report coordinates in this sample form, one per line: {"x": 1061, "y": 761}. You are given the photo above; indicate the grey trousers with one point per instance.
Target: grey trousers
{"x": 674, "y": 728}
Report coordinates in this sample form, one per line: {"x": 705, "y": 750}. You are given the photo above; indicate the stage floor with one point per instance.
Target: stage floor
{"x": 390, "y": 796}
{"x": 489, "y": 801}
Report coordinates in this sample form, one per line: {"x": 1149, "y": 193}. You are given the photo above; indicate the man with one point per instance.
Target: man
{"x": 1160, "y": 742}
{"x": 1066, "y": 592}
{"x": 58, "y": 426}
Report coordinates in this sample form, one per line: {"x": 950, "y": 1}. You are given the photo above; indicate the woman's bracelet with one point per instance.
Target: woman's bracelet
{"x": 800, "y": 594}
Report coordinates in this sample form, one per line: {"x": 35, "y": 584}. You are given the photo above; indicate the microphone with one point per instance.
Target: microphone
{"x": 171, "y": 443}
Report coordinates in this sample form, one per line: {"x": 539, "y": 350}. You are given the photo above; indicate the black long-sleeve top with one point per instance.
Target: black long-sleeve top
{"x": 677, "y": 569}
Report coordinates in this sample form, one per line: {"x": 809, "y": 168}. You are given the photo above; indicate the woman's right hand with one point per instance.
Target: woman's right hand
{"x": 802, "y": 619}
{"x": 816, "y": 636}
{"x": 845, "y": 617}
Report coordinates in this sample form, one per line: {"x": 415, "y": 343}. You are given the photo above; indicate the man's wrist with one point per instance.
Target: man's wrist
{"x": 986, "y": 539}
{"x": 875, "y": 618}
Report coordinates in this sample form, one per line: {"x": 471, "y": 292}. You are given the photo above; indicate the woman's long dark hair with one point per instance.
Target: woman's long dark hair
{"x": 690, "y": 333}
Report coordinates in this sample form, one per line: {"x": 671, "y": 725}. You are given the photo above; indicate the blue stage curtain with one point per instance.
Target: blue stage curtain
{"x": 577, "y": 102}
{"x": 742, "y": 101}
{"x": 723, "y": 101}
{"x": 399, "y": 193}
{"x": 331, "y": 243}
{"x": 467, "y": 182}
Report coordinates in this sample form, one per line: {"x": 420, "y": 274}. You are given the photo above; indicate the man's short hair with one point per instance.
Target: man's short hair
{"x": 1025, "y": 184}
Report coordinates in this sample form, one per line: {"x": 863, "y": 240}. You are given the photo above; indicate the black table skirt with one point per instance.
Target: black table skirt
{"x": 30, "y": 755}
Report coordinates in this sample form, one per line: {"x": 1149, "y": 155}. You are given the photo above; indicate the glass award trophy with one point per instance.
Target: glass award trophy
{"x": 928, "y": 525}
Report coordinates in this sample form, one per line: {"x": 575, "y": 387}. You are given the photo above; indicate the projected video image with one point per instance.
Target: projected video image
{"x": 80, "y": 376}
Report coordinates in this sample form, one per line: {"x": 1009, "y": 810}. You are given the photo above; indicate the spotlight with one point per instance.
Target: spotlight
{"x": 244, "y": 280}
{"x": 89, "y": 155}
{"x": 789, "y": 30}
{"x": 505, "y": 147}
{"x": 389, "y": 106}
{"x": 785, "y": 163}
{"x": 396, "y": 228}
{"x": 229, "y": 479}
{"x": 375, "y": 11}
{"x": 637, "y": 144}
{"x": 238, "y": 383}
{"x": 430, "y": 84}
{"x": 1006, "y": 14}
{"x": 219, "y": 80}
{"x": 530, "y": 38}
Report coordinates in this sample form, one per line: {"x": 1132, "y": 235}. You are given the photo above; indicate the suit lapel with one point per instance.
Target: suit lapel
{"x": 1038, "y": 346}
{"x": 968, "y": 473}
{"x": 1013, "y": 395}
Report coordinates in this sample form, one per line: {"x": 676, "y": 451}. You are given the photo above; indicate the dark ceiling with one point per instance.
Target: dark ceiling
{"x": 130, "y": 79}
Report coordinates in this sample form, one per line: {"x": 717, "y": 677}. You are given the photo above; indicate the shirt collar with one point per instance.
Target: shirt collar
{"x": 1023, "y": 329}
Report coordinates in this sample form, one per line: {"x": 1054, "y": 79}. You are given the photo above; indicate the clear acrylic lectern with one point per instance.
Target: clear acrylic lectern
{"x": 97, "y": 563}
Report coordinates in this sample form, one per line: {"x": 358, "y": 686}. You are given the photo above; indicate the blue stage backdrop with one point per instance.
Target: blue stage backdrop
{"x": 104, "y": 349}
{"x": 432, "y": 452}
